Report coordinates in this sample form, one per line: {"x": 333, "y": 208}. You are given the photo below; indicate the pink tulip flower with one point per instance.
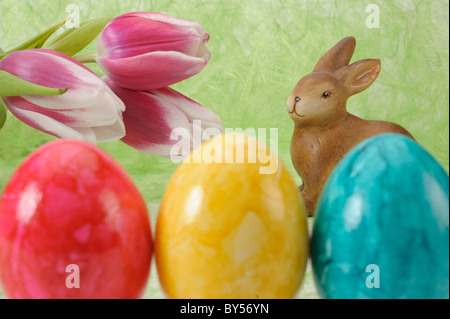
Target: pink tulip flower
{"x": 151, "y": 117}
{"x": 146, "y": 51}
{"x": 89, "y": 110}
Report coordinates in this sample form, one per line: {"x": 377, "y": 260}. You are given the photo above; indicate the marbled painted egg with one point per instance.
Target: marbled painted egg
{"x": 381, "y": 228}
{"x": 231, "y": 224}
{"x": 73, "y": 225}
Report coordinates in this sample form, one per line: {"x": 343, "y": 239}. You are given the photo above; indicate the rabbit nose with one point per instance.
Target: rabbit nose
{"x": 290, "y": 106}
{"x": 292, "y": 103}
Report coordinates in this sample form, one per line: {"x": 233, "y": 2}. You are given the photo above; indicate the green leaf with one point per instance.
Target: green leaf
{"x": 74, "y": 40}
{"x": 36, "y": 42}
{"x": 2, "y": 113}
{"x": 11, "y": 85}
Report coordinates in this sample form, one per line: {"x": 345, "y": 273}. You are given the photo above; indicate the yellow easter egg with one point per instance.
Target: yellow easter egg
{"x": 231, "y": 224}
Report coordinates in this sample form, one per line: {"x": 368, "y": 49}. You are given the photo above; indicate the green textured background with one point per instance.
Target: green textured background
{"x": 260, "y": 48}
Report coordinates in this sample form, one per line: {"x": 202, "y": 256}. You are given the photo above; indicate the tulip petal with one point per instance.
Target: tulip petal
{"x": 108, "y": 110}
{"x": 132, "y": 35}
{"x": 46, "y": 123}
{"x": 152, "y": 70}
{"x": 146, "y": 50}
{"x": 156, "y": 16}
{"x": 151, "y": 117}
{"x": 148, "y": 122}
{"x": 38, "y": 66}
{"x": 88, "y": 110}
{"x": 192, "y": 110}
{"x": 66, "y": 124}
{"x": 109, "y": 133}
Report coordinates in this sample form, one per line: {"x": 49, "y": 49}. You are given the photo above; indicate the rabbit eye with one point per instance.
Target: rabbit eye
{"x": 326, "y": 95}
{"x": 297, "y": 99}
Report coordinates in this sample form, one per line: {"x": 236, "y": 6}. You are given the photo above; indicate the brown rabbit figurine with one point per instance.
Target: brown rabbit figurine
{"x": 324, "y": 131}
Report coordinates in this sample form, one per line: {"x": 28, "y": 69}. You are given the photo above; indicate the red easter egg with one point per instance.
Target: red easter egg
{"x": 73, "y": 225}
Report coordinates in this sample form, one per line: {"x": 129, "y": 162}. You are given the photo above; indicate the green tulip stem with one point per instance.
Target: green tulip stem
{"x": 2, "y": 113}
{"x": 86, "y": 58}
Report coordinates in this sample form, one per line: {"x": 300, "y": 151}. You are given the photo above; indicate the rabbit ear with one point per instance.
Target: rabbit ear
{"x": 359, "y": 75}
{"x": 338, "y": 56}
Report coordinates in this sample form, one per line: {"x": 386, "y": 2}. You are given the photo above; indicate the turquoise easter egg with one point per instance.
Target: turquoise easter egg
{"x": 381, "y": 227}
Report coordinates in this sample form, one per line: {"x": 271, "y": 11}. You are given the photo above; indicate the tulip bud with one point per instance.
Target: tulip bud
{"x": 151, "y": 116}
{"x": 88, "y": 110}
{"x": 145, "y": 50}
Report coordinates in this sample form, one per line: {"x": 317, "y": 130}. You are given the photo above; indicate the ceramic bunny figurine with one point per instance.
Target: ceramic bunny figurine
{"x": 324, "y": 131}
